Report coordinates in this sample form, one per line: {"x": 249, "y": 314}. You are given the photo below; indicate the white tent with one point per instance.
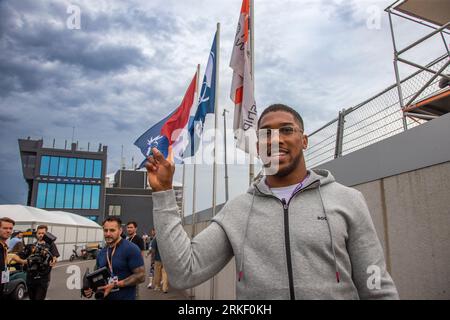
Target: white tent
{"x": 70, "y": 229}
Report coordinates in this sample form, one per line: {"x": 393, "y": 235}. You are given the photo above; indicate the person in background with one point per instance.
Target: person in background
{"x": 151, "y": 272}
{"x": 137, "y": 240}
{"x": 134, "y": 237}
{"x": 39, "y": 281}
{"x": 16, "y": 238}
{"x": 124, "y": 261}
{"x": 161, "y": 278}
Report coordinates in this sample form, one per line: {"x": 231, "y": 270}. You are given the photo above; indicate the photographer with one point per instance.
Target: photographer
{"x": 41, "y": 257}
{"x": 124, "y": 262}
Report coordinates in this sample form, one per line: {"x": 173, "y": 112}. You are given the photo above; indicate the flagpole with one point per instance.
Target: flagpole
{"x": 183, "y": 205}
{"x": 215, "y": 117}
{"x": 195, "y": 165}
{"x": 252, "y": 17}
{"x": 216, "y": 95}
{"x": 225, "y": 149}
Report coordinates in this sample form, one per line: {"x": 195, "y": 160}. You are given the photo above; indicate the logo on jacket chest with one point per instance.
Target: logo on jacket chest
{"x": 322, "y": 218}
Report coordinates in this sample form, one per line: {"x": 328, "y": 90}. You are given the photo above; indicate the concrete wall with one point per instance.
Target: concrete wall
{"x": 405, "y": 180}
{"x": 411, "y": 213}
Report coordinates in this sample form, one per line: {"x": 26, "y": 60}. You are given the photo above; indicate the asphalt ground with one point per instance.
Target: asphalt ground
{"x": 66, "y": 278}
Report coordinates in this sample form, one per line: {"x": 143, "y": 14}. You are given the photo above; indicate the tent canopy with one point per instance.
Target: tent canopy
{"x": 24, "y": 214}
{"x": 434, "y": 11}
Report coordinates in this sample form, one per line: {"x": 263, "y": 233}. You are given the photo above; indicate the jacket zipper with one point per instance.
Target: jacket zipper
{"x": 286, "y": 236}
{"x": 288, "y": 249}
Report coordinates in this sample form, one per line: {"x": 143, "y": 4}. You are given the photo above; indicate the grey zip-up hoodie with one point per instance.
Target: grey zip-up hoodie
{"x": 321, "y": 244}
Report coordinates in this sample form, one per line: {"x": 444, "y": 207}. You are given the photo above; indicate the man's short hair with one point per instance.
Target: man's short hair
{"x": 8, "y": 220}
{"x": 42, "y": 226}
{"x": 284, "y": 108}
{"x": 133, "y": 223}
{"x": 113, "y": 219}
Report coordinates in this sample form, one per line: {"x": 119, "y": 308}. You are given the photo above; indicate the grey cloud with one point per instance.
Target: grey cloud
{"x": 344, "y": 11}
{"x": 129, "y": 19}
{"x": 44, "y": 41}
{"x": 5, "y": 118}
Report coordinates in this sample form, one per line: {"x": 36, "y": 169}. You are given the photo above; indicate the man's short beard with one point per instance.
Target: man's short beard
{"x": 112, "y": 241}
{"x": 290, "y": 168}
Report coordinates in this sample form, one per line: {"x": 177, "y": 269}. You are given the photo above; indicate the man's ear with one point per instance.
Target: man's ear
{"x": 305, "y": 142}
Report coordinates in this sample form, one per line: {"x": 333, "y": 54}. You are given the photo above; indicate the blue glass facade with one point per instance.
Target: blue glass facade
{"x": 51, "y": 193}
{"x": 54, "y": 165}
{"x": 68, "y": 201}
{"x": 69, "y": 195}
{"x": 88, "y": 168}
{"x": 80, "y": 168}
{"x": 70, "y": 167}
{"x": 72, "y": 163}
{"x": 95, "y": 198}
{"x": 41, "y": 196}
{"x": 77, "y": 200}
{"x": 45, "y": 164}
{"x": 97, "y": 169}
{"x": 60, "y": 190}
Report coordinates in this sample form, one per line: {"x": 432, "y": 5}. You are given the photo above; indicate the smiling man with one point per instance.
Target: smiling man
{"x": 295, "y": 234}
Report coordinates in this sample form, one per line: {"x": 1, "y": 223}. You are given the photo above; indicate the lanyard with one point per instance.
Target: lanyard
{"x": 110, "y": 262}
{"x": 5, "y": 256}
{"x": 131, "y": 239}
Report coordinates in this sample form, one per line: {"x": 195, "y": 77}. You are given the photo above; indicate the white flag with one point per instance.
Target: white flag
{"x": 242, "y": 88}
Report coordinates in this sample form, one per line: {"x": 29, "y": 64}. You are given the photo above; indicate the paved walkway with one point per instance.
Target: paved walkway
{"x": 62, "y": 275}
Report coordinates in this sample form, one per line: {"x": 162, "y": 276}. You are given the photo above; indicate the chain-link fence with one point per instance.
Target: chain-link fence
{"x": 373, "y": 120}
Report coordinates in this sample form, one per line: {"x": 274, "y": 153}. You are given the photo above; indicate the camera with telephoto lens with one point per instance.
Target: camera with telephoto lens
{"x": 94, "y": 280}
{"x": 41, "y": 257}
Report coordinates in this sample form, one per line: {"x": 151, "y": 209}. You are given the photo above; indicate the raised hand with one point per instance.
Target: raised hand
{"x": 160, "y": 171}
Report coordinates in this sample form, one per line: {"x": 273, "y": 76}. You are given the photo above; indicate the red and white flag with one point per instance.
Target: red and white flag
{"x": 242, "y": 86}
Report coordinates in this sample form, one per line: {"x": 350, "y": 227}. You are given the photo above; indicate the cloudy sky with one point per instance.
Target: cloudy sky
{"x": 130, "y": 62}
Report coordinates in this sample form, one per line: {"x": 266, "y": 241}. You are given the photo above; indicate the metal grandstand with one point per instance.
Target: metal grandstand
{"x": 420, "y": 97}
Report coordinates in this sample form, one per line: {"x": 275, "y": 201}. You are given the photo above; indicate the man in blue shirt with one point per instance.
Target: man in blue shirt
{"x": 124, "y": 262}
{"x": 15, "y": 239}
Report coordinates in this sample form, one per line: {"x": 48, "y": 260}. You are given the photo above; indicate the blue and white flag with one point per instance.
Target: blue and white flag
{"x": 167, "y": 135}
{"x": 206, "y": 103}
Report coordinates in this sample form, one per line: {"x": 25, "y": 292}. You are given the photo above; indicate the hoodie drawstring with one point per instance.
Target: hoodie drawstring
{"x": 331, "y": 237}
{"x": 241, "y": 273}
{"x": 241, "y": 265}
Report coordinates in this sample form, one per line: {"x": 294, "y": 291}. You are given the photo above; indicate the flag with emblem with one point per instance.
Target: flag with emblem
{"x": 167, "y": 134}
